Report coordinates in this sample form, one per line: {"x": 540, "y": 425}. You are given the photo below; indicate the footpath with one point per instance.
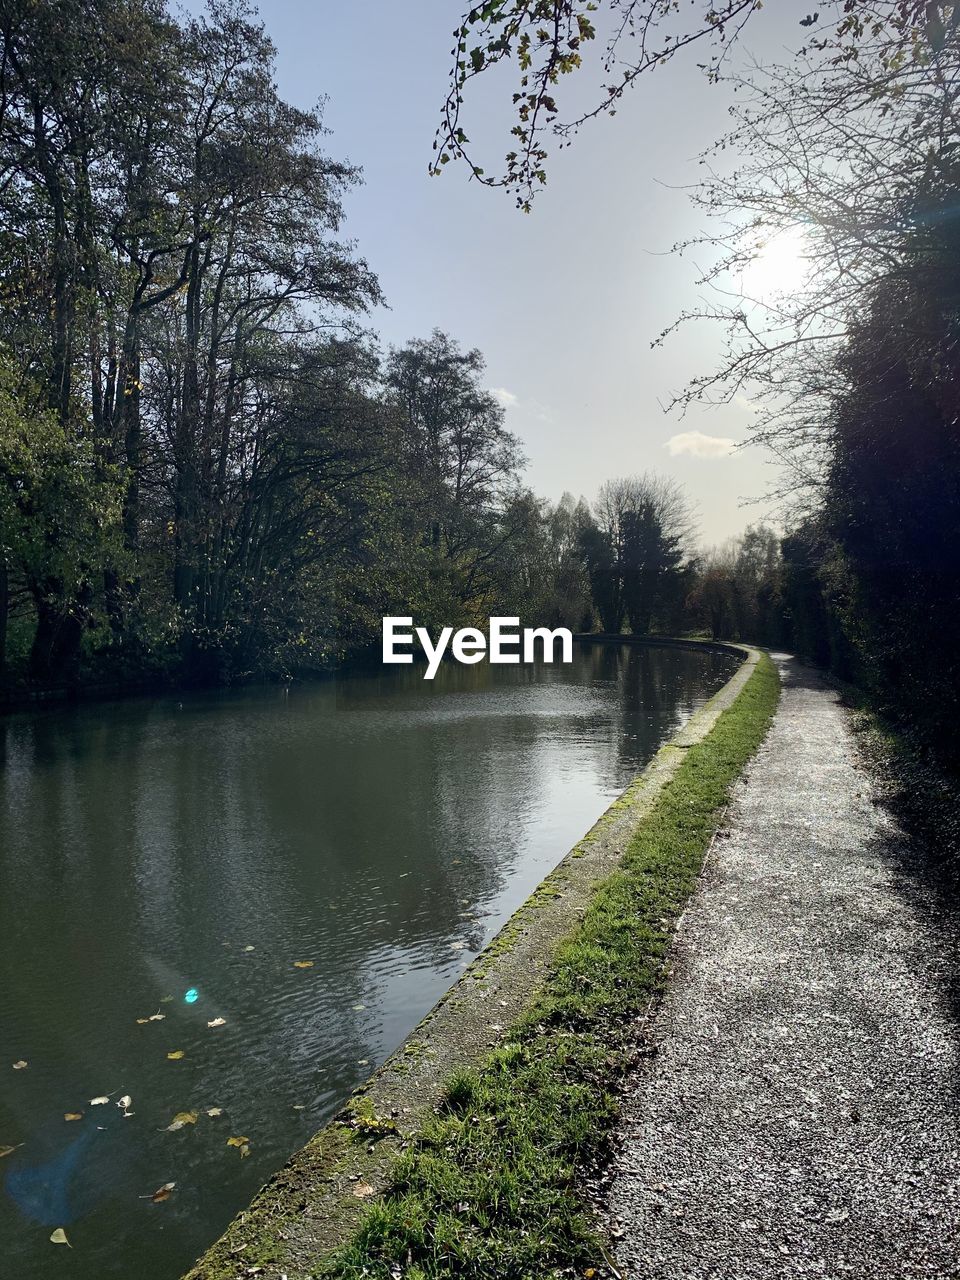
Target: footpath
{"x": 799, "y": 1114}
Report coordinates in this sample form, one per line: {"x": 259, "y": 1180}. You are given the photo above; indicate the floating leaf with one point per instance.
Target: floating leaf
{"x": 176, "y": 1055}
{"x": 217, "y": 1022}
{"x": 213, "y": 1112}
{"x": 242, "y": 1144}
{"x": 60, "y": 1237}
{"x": 125, "y": 1103}
{"x": 154, "y": 1017}
{"x": 101, "y": 1101}
{"x": 182, "y": 1118}
{"x": 358, "y": 1007}
{"x": 73, "y": 1115}
{"x": 21, "y": 1065}
{"x": 249, "y": 948}
{"x": 361, "y": 1189}
{"x": 303, "y": 964}
{"x": 163, "y": 1193}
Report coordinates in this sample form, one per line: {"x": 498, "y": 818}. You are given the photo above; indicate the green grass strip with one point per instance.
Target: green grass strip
{"x": 491, "y": 1189}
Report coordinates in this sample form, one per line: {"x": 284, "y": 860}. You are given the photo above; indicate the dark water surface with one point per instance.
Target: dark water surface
{"x": 382, "y": 828}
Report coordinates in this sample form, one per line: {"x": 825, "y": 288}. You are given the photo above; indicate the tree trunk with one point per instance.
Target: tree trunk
{"x": 55, "y": 653}
{"x": 4, "y": 615}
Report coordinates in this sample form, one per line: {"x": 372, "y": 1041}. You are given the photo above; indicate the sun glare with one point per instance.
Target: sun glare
{"x": 779, "y": 268}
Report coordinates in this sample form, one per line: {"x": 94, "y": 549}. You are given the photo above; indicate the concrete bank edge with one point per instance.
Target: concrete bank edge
{"x": 311, "y": 1205}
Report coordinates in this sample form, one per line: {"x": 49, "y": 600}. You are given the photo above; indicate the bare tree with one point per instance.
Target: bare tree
{"x": 550, "y": 40}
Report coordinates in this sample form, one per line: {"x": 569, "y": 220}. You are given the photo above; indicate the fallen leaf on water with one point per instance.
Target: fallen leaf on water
{"x": 125, "y": 1103}
{"x": 249, "y": 948}
{"x": 19, "y": 1066}
{"x": 242, "y": 1144}
{"x": 303, "y": 964}
{"x": 358, "y": 1006}
{"x": 299, "y": 1106}
{"x": 161, "y": 1193}
{"x": 217, "y": 1022}
{"x": 154, "y": 1017}
{"x": 176, "y": 1055}
{"x": 363, "y": 1062}
{"x": 361, "y": 1189}
{"x": 213, "y": 1112}
{"x": 60, "y": 1237}
{"x": 73, "y": 1115}
{"x": 180, "y": 1119}
{"x": 101, "y": 1101}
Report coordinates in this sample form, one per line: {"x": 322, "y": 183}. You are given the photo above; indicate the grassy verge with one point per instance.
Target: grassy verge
{"x": 492, "y": 1190}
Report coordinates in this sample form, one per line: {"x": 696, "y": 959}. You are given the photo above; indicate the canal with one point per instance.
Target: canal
{"x": 225, "y": 910}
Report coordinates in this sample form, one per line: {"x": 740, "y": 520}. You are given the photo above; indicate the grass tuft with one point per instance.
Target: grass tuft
{"x": 492, "y": 1189}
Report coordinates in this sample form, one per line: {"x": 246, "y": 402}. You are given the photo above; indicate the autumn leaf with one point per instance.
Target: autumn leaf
{"x": 161, "y": 1193}
{"x": 217, "y": 1022}
{"x": 213, "y": 1112}
{"x": 73, "y": 1115}
{"x": 242, "y": 1144}
{"x": 303, "y": 964}
{"x": 176, "y": 1055}
{"x": 60, "y": 1237}
{"x": 154, "y": 1017}
{"x": 101, "y": 1101}
{"x": 361, "y": 1189}
{"x": 249, "y": 948}
{"x": 182, "y": 1118}
{"x": 125, "y": 1103}
{"x": 21, "y": 1065}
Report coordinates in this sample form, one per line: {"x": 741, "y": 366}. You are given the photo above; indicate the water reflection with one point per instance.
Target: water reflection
{"x": 380, "y": 827}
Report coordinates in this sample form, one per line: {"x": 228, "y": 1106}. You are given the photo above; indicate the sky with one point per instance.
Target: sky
{"x": 564, "y": 302}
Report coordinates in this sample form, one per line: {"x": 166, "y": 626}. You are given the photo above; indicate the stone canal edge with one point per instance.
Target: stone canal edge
{"x": 311, "y": 1205}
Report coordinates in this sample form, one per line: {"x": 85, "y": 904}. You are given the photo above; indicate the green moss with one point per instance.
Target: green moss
{"x": 491, "y": 1187}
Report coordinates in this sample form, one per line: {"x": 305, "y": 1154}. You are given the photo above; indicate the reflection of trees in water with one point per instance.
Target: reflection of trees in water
{"x": 349, "y": 823}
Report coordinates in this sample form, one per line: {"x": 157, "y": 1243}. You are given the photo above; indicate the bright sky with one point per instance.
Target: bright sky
{"x": 565, "y": 302}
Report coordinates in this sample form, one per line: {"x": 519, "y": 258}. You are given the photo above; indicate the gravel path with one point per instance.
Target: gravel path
{"x": 799, "y": 1115}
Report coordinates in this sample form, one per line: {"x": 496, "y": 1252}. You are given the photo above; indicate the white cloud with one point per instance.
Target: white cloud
{"x": 697, "y": 445}
{"x": 505, "y": 397}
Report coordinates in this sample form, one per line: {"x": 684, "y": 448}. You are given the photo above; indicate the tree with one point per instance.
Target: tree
{"x": 461, "y": 461}
{"x": 550, "y": 40}
{"x": 58, "y": 513}
{"x": 646, "y": 523}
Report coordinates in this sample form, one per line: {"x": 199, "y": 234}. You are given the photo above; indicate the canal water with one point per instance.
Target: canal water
{"x": 241, "y": 902}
